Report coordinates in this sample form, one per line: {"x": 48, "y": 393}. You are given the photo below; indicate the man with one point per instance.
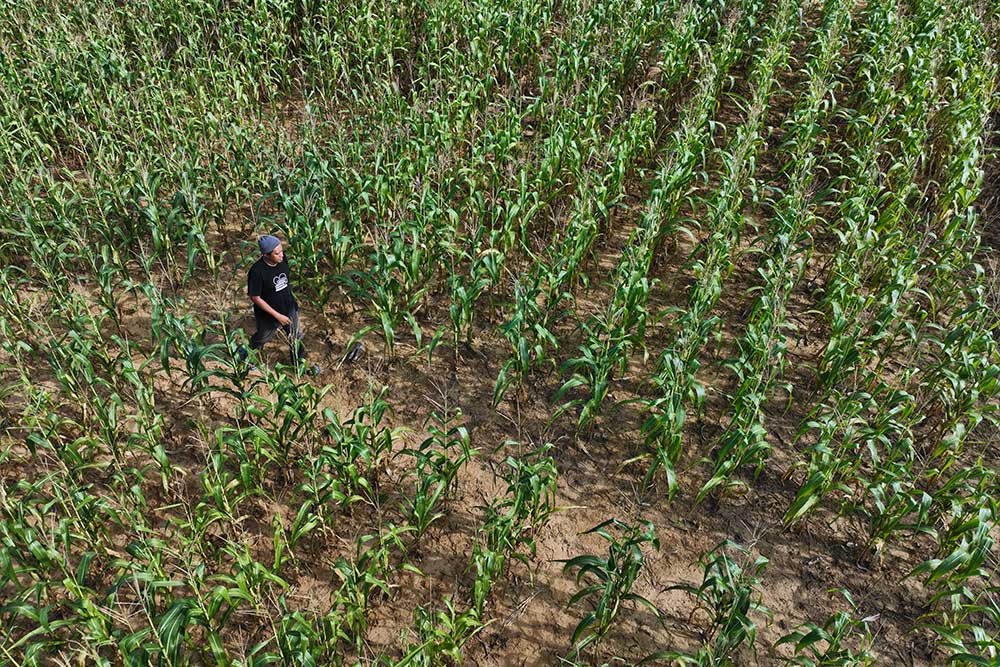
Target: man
{"x": 269, "y": 286}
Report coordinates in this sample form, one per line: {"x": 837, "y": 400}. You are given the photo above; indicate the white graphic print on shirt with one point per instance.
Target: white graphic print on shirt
{"x": 280, "y": 282}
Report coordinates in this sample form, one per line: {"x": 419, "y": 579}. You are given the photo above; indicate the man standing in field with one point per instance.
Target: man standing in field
{"x": 269, "y": 286}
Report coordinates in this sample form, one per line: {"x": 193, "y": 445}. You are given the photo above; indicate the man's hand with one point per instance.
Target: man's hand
{"x": 283, "y": 320}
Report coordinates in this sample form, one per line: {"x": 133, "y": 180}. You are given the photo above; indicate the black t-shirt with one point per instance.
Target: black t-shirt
{"x": 273, "y": 284}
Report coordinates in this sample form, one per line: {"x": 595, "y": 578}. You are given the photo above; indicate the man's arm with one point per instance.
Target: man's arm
{"x": 266, "y": 307}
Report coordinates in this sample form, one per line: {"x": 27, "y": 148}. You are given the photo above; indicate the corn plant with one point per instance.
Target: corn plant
{"x": 841, "y": 641}
{"x": 325, "y": 491}
{"x": 864, "y": 204}
{"x": 966, "y": 551}
{"x": 960, "y": 377}
{"x": 227, "y": 482}
{"x": 561, "y": 274}
{"x": 364, "y": 444}
{"x": 968, "y": 634}
{"x": 610, "y": 336}
{"x": 301, "y": 638}
{"x": 513, "y": 520}
{"x": 323, "y": 239}
{"x": 361, "y": 579}
{"x": 529, "y": 339}
{"x": 465, "y": 292}
{"x": 150, "y": 423}
{"x": 833, "y": 458}
{"x": 437, "y": 461}
{"x": 893, "y": 266}
{"x": 611, "y": 580}
{"x": 466, "y": 168}
{"x": 963, "y": 607}
{"x": 727, "y": 596}
{"x": 440, "y": 635}
{"x": 290, "y": 420}
{"x": 390, "y": 290}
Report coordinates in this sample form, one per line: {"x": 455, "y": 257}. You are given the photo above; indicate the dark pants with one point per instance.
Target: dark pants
{"x": 267, "y": 327}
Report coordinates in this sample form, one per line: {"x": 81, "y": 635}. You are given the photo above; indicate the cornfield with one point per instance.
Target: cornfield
{"x": 658, "y": 332}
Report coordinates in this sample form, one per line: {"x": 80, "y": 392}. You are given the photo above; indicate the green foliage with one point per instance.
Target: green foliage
{"x": 436, "y": 463}
{"x": 611, "y": 580}
{"x": 440, "y": 635}
{"x": 727, "y": 596}
{"x": 513, "y": 520}
{"x": 831, "y": 644}
{"x": 763, "y": 211}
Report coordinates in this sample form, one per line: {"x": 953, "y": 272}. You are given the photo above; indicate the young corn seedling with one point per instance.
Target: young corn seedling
{"x": 531, "y": 488}
{"x": 302, "y": 638}
{"x": 957, "y": 501}
{"x": 727, "y": 596}
{"x": 514, "y": 518}
{"x": 440, "y": 636}
{"x": 609, "y": 339}
{"x": 360, "y": 580}
{"x": 835, "y": 456}
{"x": 611, "y": 580}
{"x": 385, "y": 289}
{"x": 226, "y": 485}
{"x": 362, "y": 446}
{"x": 967, "y": 556}
{"x": 323, "y": 242}
{"x": 959, "y": 382}
{"x": 332, "y": 484}
{"x": 968, "y": 634}
{"x": 885, "y": 492}
{"x": 964, "y": 610}
{"x": 294, "y": 418}
{"x": 437, "y": 462}
{"x": 841, "y": 641}
{"x": 467, "y": 288}
{"x": 875, "y": 323}
{"x": 559, "y": 278}
{"x": 527, "y": 336}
